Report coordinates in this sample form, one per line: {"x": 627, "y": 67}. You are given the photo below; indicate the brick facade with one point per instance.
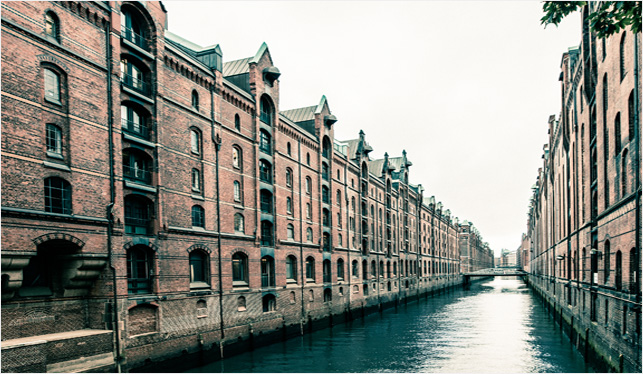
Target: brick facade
{"x": 152, "y": 191}
{"x": 584, "y": 228}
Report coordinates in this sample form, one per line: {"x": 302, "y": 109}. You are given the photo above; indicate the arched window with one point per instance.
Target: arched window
{"x": 290, "y": 231}
{"x": 265, "y": 200}
{"x": 54, "y": 136}
{"x": 57, "y": 196}
{"x": 195, "y": 100}
{"x": 395, "y": 268}
{"x": 133, "y": 121}
{"x": 267, "y": 271}
{"x": 309, "y": 214}
{"x": 195, "y": 141}
{"x": 325, "y": 172}
{"x": 310, "y": 269}
{"x": 339, "y": 221}
{"x": 137, "y": 166}
{"x": 269, "y": 303}
{"x": 133, "y": 28}
{"x": 237, "y": 191}
{"x": 373, "y": 269}
{"x": 52, "y": 26}
{"x": 239, "y": 269}
{"x": 237, "y": 122}
{"x": 266, "y": 111}
{"x": 622, "y": 56}
{"x": 198, "y": 216}
{"x": 266, "y": 234}
{"x": 308, "y": 159}
{"x": 52, "y": 86}
{"x": 241, "y": 304}
{"x": 340, "y": 240}
{"x": 328, "y": 295}
{"x": 291, "y": 269}
{"x": 199, "y": 274}
{"x": 338, "y": 198}
{"x": 309, "y": 235}
{"x": 238, "y": 223}
{"x": 265, "y": 142}
{"x": 288, "y": 205}
{"x": 326, "y": 271}
{"x": 289, "y": 177}
{"x": 353, "y": 203}
{"x": 355, "y": 269}
{"x": 326, "y": 242}
{"x": 138, "y": 215}
{"x": 265, "y": 171}
{"x": 308, "y": 185}
{"x": 237, "y": 158}
{"x": 325, "y": 217}
{"x": 288, "y": 149}
{"x": 364, "y": 270}
{"x": 381, "y": 269}
{"x": 326, "y": 149}
{"x": 139, "y": 270}
{"x": 340, "y": 269}
{"x": 617, "y": 134}
{"x": 196, "y": 180}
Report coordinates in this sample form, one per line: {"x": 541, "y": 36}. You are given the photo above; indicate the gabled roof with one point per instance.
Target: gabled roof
{"x": 300, "y": 114}
{"x": 375, "y": 167}
{"x": 236, "y": 67}
{"x": 187, "y": 45}
{"x": 352, "y": 147}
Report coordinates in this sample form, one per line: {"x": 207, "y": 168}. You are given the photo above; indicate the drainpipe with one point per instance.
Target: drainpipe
{"x": 112, "y": 194}
{"x": 637, "y": 139}
{"x": 216, "y": 139}
{"x": 301, "y": 244}
{"x": 348, "y": 238}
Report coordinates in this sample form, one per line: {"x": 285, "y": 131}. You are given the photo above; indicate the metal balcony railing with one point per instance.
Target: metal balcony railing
{"x": 137, "y": 174}
{"x": 136, "y": 84}
{"x": 137, "y": 39}
{"x": 134, "y": 128}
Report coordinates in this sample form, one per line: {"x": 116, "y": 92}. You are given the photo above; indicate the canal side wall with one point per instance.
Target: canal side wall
{"x": 602, "y": 341}
{"x": 261, "y": 329}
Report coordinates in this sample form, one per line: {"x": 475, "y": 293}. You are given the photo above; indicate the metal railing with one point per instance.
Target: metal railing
{"x": 137, "y": 39}
{"x": 136, "y": 84}
{"x": 137, "y": 174}
{"x": 134, "y": 128}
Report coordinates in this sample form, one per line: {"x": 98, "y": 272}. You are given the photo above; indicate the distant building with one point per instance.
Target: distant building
{"x": 584, "y": 224}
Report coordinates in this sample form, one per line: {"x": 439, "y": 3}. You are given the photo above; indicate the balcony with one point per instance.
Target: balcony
{"x": 137, "y": 174}
{"x": 137, "y": 225}
{"x": 137, "y": 129}
{"x": 134, "y": 38}
{"x": 136, "y": 84}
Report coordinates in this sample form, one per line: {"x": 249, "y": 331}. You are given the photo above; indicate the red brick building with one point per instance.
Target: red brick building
{"x": 158, "y": 202}
{"x": 585, "y": 214}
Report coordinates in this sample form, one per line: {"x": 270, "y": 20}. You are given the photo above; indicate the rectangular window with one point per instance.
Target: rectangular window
{"x": 54, "y": 140}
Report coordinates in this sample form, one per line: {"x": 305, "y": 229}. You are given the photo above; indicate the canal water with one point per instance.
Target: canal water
{"x": 496, "y": 326}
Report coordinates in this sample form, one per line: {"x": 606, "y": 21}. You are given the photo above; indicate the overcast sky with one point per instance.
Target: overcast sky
{"x": 465, "y": 87}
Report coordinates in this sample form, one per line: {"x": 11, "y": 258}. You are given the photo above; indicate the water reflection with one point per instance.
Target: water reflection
{"x": 495, "y": 327}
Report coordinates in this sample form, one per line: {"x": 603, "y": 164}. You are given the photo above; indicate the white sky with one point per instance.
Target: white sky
{"x": 466, "y": 87}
